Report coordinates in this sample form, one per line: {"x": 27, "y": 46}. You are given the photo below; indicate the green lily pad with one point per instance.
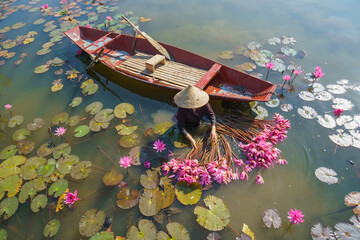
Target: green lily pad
{"x": 81, "y": 170}
{"x": 66, "y": 163}
{"x": 10, "y": 166}
{"x": 90, "y": 89}
{"x": 176, "y": 231}
{"x": 12, "y": 185}
{"x": 18, "y": 25}
{"x": 43, "y": 51}
{"x": 150, "y": 180}
{"x": 39, "y": 184}
{"x": 27, "y": 191}
{"x": 60, "y": 118}
{"x": 91, "y": 222}
{"x": 36, "y": 124}
{"x": 130, "y": 140}
{"x": 41, "y": 69}
{"x": 124, "y": 130}
{"x": 57, "y": 61}
{"x": 104, "y": 115}
{"x": 161, "y": 128}
{"x": 112, "y": 178}
{"x": 227, "y": 54}
{"x": 5, "y": 29}
{"x": 45, "y": 149}
{"x": 25, "y": 146}
{"x": 150, "y": 202}
{"x": 62, "y": 150}
{"x": 39, "y": 202}
{"x": 8, "y": 151}
{"x": 28, "y": 171}
{"x": 21, "y": 134}
{"x": 49, "y": 28}
{"x": 39, "y": 21}
{"x": 94, "y": 107}
{"x": 135, "y": 156}
{"x": 104, "y": 235}
{"x": 15, "y": 121}
{"x": 97, "y": 126}
{"x": 72, "y": 121}
{"x": 3, "y": 234}
{"x": 48, "y": 169}
{"x": 149, "y": 132}
{"x": 188, "y": 195}
{"x": 76, "y": 102}
{"x": 8, "y": 207}
{"x": 168, "y": 195}
{"x": 58, "y": 187}
{"x": 51, "y": 228}
{"x": 9, "y": 44}
{"x": 122, "y": 109}
{"x": 127, "y": 198}
{"x": 81, "y": 131}
{"x": 146, "y": 231}
{"x": 216, "y": 218}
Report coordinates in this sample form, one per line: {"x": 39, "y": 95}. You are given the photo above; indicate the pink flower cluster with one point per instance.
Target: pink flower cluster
{"x": 318, "y": 72}
{"x": 44, "y": 7}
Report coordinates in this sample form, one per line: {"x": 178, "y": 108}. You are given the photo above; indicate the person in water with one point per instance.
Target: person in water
{"x": 193, "y": 105}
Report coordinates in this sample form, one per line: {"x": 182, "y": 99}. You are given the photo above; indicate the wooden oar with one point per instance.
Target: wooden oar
{"x": 156, "y": 45}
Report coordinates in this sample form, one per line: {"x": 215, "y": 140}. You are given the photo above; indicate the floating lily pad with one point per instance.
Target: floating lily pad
{"x": 130, "y": 140}
{"x": 326, "y": 175}
{"x": 161, "y": 128}
{"x": 39, "y": 184}
{"x": 271, "y": 217}
{"x": 104, "y": 235}
{"x": 81, "y": 131}
{"x": 48, "y": 169}
{"x": 21, "y": 134}
{"x": 104, "y": 115}
{"x": 12, "y": 185}
{"x": 61, "y": 150}
{"x": 45, "y": 149}
{"x": 247, "y": 66}
{"x": 57, "y": 87}
{"x": 10, "y": 166}
{"x": 36, "y": 124}
{"x": 90, "y": 89}
{"x": 81, "y": 170}
{"x": 9, "y": 44}
{"x": 18, "y": 25}
{"x": 169, "y": 194}
{"x": 3, "y": 234}
{"x": 49, "y": 28}
{"x": 149, "y": 132}
{"x": 25, "y": 146}
{"x": 27, "y": 191}
{"x": 60, "y": 118}
{"x": 39, "y": 202}
{"x": 59, "y": 71}
{"x": 125, "y": 130}
{"x": 5, "y": 29}
{"x": 8, "y": 151}
{"x": 147, "y": 231}
{"x": 150, "y": 202}
{"x": 341, "y": 138}
{"x": 127, "y": 198}
{"x": 135, "y": 156}
{"x": 43, "y": 51}
{"x": 58, "y": 187}
{"x": 150, "y": 180}
{"x": 51, "y": 228}
{"x": 97, "y": 126}
{"x": 112, "y": 177}
{"x": 85, "y": 83}
{"x": 66, "y": 163}
{"x": 8, "y": 207}
{"x": 227, "y": 54}
{"x": 216, "y": 218}
{"x": 122, "y": 109}
{"x": 94, "y": 107}
{"x": 76, "y": 102}
{"x": 56, "y": 61}
{"x": 29, "y": 170}
{"x": 327, "y": 121}
{"x": 188, "y": 195}
{"x": 39, "y": 21}
{"x": 15, "y": 121}
{"x": 72, "y": 121}
{"x": 41, "y": 69}
{"x": 176, "y": 231}
{"x": 91, "y": 222}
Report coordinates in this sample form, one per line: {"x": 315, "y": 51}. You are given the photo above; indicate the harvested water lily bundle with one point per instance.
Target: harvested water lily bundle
{"x": 326, "y": 175}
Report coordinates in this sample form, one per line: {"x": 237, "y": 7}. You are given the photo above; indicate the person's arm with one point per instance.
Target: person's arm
{"x": 181, "y": 125}
{"x": 211, "y": 116}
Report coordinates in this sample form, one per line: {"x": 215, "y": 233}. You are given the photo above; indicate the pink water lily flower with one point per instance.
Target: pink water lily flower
{"x": 125, "y": 162}
{"x": 269, "y": 65}
{"x": 297, "y": 72}
{"x": 60, "y": 131}
{"x": 44, "y": 6}
{"x": 159, "y": 146}
{"x": 295, "y": 216}
{"x": 318, "y": 74}
{"x": 70, "y": 198}
{"x": 281, "y": 161}
{"x": 338, "y": 112}
{"x": 259, "y": 179}
{"x": 108, "y": 18}
{"x": 286, "y": 77}
{"x": 147, "y": 164}
{"x": 8, "y": 106}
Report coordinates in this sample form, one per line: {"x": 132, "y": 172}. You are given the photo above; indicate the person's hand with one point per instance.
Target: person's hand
{"x": 192, "y": 141}
{"x": 213, "y": 134}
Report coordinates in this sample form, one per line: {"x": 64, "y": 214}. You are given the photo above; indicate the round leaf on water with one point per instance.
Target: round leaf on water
{"x": 161, "y": 128}
{"x": 39, "y": 202}
{"x": 179, "y": 144}
{"x": 227, "y": 54}
{"x": 56, "y": 61}
{"x": 122, "y": 109}
{"x": 15, "y": 121}
{"x": 216, "y": 218}
{"x": 18, "y": 25}
{"x": 168, "y": 195}
{"x": 8, "y": 207}
{"x": 127, "y": 198}
{"x": 27, "y": 191}
{"x": 45, "y": 149}
{"x": 51, "y": 228}
{"x": 3, "y": 234}
{"x": 28, "y": 171}
{"x": 48, "y": 169}
{"x": 188, "y": 195}
{"x": 39, "y": 184}
{"x": 94, "y": 108}
{"x": 81, "y": 131}
{"x": 43, "y": 51}
{"x": 9, "y": 44}
{"x": 124, "y": 130}
{"x": 10, "y": 166}
{"x": 177, "y": 231}
{"x": 150, "y": 180}
{"x": 76, "y": 102}
{"x": 112, "y": 177}
{"x": 21, "y": 134}
{"x": 90, "y": 89}
{"x": 25, "y": 146}
{"x": 271, "y": 217}
{"x": 149, "y": 132}
{"x": 104, "y": 115}
{"x": 66, "y": 163}
{"x": 146, "y": 231}
{"x": 130, "y": 140}
{"x": 97, "y": 126}
{"x": 60, "y": 118}
{"x": 86, "y": 83}
{"x": 81, "y": 170}
{"x": 12, "y": 185}
{"x": 39, "y": 21}
{"x": 36, "y": 124}
{"x": 249, "y": 67}
{"x": 58, "y": 187}
{"x": 135, "y": 156}
{"x": 216, "y": 236}
{"x": 91, "y": 222}
{"x": 72, "y": 121}
{"x": 61, "y": 150}
{"x": 104, "y": 235}
{"x": 163, "y": 236}
{"x": 8, "y": 151}
{"x": 41, "y": 69}
{"x": 150, "y": 202}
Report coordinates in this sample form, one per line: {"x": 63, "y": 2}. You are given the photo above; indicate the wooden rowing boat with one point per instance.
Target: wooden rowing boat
{"x": 143, "y": 62}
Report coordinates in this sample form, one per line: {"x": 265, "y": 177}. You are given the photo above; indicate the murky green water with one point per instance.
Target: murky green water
{"x": 328, "y": 31}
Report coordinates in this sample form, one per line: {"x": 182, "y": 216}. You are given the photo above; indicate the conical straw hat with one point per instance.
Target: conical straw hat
{"x": 191, "y": 97}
